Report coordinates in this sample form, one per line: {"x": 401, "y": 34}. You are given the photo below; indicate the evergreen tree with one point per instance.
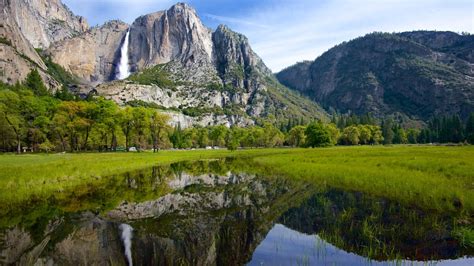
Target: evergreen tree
{"x": 176, "y": 137}
{"x": 64, "y": 94}
{"x": 470, "y": 128}
{"x": 35, "y": 83}
{"x": 424, "y": 136}
{"x": 387, "y": 131}
{"x": 456, "y": 132}
{"x": 399, "y": 135}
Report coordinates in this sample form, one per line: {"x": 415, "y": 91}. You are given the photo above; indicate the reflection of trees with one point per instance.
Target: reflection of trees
{"x": 375, "y": 228}
{"x": 223, "y": 227}
{"x": 217, "y": 212}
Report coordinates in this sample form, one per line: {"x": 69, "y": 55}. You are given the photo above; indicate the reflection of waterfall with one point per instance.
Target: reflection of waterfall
{"x": 127, "y": 241}
{"x": 123, "y": 69}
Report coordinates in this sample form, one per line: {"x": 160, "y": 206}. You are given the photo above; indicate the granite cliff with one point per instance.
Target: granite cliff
{"x": 178, "y": 64}
{"x": 26, "y": 25}
{"x": 44, "y": 22}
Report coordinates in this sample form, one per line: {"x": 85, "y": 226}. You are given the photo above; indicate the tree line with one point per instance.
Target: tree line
{"x": 33, "y": 119}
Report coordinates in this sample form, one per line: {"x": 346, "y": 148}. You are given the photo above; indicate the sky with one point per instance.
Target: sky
{"x": 283, "y": 32}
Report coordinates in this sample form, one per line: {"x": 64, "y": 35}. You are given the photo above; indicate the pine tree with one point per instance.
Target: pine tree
{"x": 456, "y": 129}
{"x": 387, "y": 131}
{"x": 35, "y": 83}
{"x": 64, "y": 94}
{"x": 470, "y": 129}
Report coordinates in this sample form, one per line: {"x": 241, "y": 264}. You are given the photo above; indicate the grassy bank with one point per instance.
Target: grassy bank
{"x": 440, "y": 178}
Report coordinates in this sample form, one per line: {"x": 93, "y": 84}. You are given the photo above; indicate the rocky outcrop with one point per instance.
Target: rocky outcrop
{"x": 44, "y": 22}
{"x": 235, "y": 61}
{"x": 210, "y": 71}
{"x": 176, "y": 34}
{"x": 214, "y": 72}
{"x": 92, "y": 56}
{"x": 418, "y": 74}
{"x": 17, "y": 55}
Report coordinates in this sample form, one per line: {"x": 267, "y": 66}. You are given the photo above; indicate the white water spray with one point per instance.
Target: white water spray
{"x": 123, "y": 68}
{"x": 127, "y": 241}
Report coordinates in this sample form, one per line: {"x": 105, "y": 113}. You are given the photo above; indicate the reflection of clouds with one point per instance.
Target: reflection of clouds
{"x": 284, "y": 246}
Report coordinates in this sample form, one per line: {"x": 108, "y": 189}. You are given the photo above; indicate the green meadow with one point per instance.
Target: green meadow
{"x": 429, "y": 177}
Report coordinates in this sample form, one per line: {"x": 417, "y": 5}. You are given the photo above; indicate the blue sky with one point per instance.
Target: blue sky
{"x": 284, "y": 32}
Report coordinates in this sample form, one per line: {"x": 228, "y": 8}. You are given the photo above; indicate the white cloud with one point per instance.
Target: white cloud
{"x": 305, "y": 29}
{"x": 284, "y": 32}
{"x": 232, "y": 20}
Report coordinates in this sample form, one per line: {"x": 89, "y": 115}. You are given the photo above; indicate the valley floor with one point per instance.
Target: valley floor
{"x": 429, "y": 177}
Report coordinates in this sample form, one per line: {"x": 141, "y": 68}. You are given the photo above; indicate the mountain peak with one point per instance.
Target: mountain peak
{"x": 180, "y": 6}
{"x": 222, "y": 27}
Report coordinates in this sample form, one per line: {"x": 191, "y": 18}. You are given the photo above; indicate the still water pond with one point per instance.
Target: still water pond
{"x": 223, "y": 212}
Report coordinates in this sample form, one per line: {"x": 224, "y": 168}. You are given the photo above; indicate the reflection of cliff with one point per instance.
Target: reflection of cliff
{"x": 214, "y": 220}
{"x": 375, "y": 228}
{"x": 211, "y": 217}
{"x": 82, "y": 240}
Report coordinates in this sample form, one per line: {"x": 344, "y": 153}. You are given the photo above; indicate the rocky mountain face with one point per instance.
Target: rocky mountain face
{"x": 416, "y": 74}
{"x": 93, "y": 55}
{"x": 181, "y": 65}
{"x": 44, "y": 22}
{"x": 176, "y": 34}
{"x": 29, "y": 24}
{"x": 17, "y": 54}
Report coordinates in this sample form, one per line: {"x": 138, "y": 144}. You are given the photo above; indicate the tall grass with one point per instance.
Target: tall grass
{"x": 439, "y": 178}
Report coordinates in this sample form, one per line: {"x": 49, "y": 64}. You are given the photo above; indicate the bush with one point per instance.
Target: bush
{"x": 153, "y": 76}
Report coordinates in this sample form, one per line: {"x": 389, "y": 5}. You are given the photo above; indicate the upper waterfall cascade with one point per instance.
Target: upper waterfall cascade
{"x": 123, "y": 68}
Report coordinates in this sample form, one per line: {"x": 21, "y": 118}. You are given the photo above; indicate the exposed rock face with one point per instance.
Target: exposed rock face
{"x": 208, "y": 71}
{"x": 418, "y": 74}
{"x": 176, "y": 34}
{"x": 213, "y": 71}
{"x": 236, "y": 63}
{"x": 92, "y": 56}
{"x": 17, "y": 55}
{"x": 44, "y": 22}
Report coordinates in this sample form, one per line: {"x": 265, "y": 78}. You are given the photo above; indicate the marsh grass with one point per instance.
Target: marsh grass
{"x": 31, "y": 178}
{"x": 437, "y": 178}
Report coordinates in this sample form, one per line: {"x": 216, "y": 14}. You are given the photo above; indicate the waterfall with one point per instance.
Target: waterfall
{"x": 123, "y": 68}
{"x": 127, "y": 241}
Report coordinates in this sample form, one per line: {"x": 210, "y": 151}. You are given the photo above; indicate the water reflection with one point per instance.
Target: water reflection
{"x": 284, "y": 246}
{"x": 223, "y": 212}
